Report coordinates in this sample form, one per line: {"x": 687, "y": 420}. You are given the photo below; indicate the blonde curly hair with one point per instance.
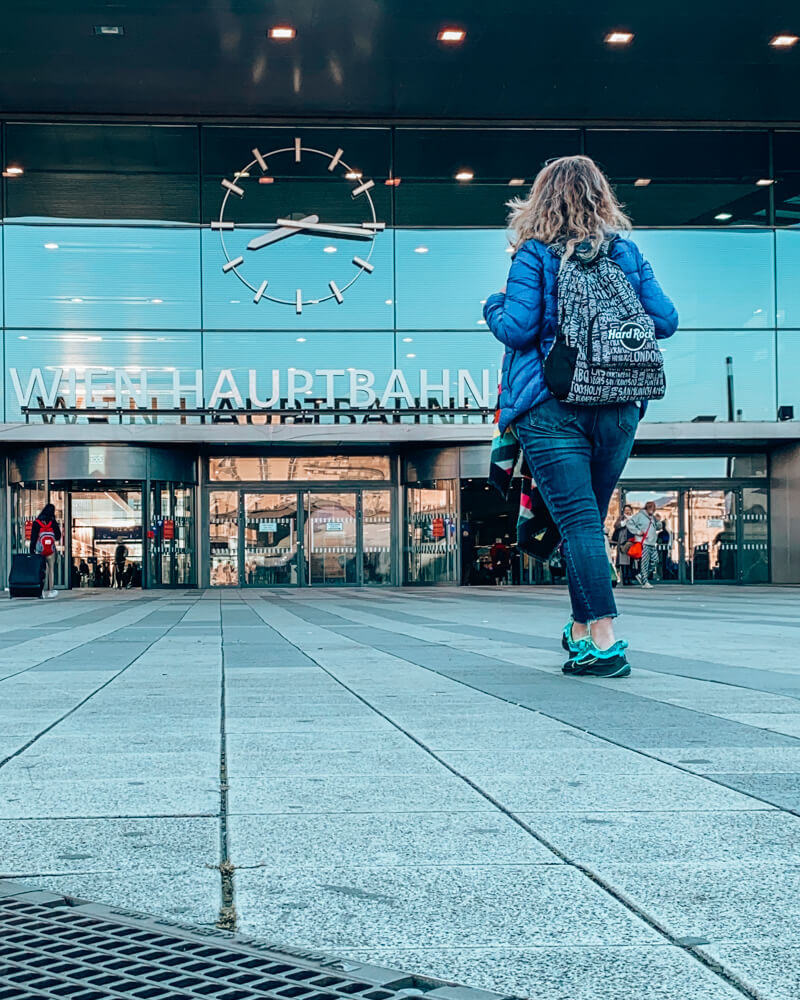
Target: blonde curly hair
{"x": 571, "y": 201}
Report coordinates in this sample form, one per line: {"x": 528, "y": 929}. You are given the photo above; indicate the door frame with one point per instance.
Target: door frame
{"x": 69, "y": 491}
{"x": 242, "y": 527}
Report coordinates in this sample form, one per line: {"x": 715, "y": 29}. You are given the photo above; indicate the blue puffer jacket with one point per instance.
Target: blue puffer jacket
{"x": 525, "y": 317}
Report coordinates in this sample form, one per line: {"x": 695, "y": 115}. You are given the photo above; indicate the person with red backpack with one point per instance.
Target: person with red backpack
{"x": 45, "y": 534}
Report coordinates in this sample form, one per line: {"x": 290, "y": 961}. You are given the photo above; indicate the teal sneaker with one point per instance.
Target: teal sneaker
{"x": 593, "y": 662}
{"x": 572, "y": 646}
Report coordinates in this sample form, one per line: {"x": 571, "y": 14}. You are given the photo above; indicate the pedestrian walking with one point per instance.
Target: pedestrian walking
{"x": 501, "y": 561}
{"x": 45, "y": 535}
{"x": 646, "y": 527}
{"x": 120, "y": 558}
{"x": 579, "y": 320}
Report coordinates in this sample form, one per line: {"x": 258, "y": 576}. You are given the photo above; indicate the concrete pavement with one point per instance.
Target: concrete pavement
{"x": 406, "y": 777}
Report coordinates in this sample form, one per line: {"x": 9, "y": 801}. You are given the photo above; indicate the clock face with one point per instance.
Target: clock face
{"x": 269, "y": 242}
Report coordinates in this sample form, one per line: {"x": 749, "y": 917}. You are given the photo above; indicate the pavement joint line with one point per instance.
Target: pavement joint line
{"x": 691, "y": 950}
{"x": 226, "y": 919}
{"x": 66, "y": 715}
{"x": 707, "y": 776}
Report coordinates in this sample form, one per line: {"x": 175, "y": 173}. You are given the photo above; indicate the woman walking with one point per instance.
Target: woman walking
{"x": 578, "y": 319}
{"x": 45, "y": 534}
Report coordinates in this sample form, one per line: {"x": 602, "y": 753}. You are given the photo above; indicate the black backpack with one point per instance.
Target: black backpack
{"x": 605, "y": 350}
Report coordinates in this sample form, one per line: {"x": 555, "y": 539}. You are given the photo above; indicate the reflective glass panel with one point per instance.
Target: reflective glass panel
{"x": 298, "y": 468}
{"x": 788, "y": 367}
{"x": 223, "y": 527}
{"x": 695, "y": 467}
{"x": 376, "y": 526}
{"x": 787, "y": 251}
{"x": 78, "y": 171}
{"x": 331, "y": 544}
{"x": 431, "y": 532}
{"x": 95, "y": 277}
{"x": 694, "y": 176}
{"x": 786, "y": 154}
{"x": 711, "y": 535}
{"x": 106, "y": 537}
{"x": 270, "y": 539}
{"x": 667, "y": 516}
{"x": 754, "y": 554}
{"x": 720, "y": 281}
{"x": 697, "y": 376}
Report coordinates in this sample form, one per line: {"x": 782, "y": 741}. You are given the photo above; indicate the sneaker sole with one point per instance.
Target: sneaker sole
{"x": 622, "y": 671}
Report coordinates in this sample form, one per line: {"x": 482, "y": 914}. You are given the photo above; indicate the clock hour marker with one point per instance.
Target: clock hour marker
{"x": 233, "y": 187}
{"x": 219, "y": 224}
{"x": 261, "y": 289}
{"x": 362, "y": 188}
{"x": 336, "y": 157}
{"x": 336, "y": 293}
{"x": 364, "y": 265}
{"x": 259, "y": 159}
{"x": 232, "y": 263}
{"x": 296, "y": 150}
{"x": 298, "y": 301}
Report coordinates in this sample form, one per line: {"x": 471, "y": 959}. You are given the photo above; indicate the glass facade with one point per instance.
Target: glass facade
{"x": 114, "y": 290}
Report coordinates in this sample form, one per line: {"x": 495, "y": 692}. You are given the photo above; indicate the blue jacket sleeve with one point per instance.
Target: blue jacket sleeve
{"x": 656, "y": 303}
{"x": 515, "y": 317}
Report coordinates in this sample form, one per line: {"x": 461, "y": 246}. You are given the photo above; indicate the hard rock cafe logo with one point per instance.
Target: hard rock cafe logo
{"x": 631, "y": 335}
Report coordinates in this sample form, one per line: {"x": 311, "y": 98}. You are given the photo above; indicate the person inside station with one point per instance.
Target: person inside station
{"x": 500, "y": 558}
{"x": 120, "y": 558}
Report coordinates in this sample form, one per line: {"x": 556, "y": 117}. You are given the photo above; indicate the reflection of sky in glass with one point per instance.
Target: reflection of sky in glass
{"x": 787, "y": 248}
{"x": 788, "y": 367}
{"x": 102, "y": 277}
{"x": 697, "y": 375}
{"x": 718, "y": 280}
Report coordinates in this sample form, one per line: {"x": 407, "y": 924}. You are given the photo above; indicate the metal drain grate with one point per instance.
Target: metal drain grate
{"x": 58, "y": 947}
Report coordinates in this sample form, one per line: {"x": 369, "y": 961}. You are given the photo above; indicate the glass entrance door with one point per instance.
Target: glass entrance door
{"x": 331, "y": 539}
{"x": 106, "y": 537}
{"x": 712, "y": 543}
{"x": 171, "y": 536}
{"x": 271, "y": 539}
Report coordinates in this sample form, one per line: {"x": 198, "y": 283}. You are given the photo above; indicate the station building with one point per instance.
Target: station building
{"x": 251, "y": 348}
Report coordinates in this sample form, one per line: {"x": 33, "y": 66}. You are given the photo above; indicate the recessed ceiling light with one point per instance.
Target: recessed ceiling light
{"x": 784, "y": 41}
{"x": 51, "y": 246}
{"x": 156, "y": 302}
{"x": 420, "y": 249}
{"x": 266, "y": 180}
{"x": 763, "y": 182}
{"x": 619, "y": 38}
{"x": 109, "y": 29}
{"x": 516, "y": 182}
{"x": 354, "y": 175}
{"x": 23, "y": 337}
{"x": 392, "y": 182}
{"x": 241, "y": 173}
{"x": 641, "y": 182}
{"x": 723, "y": 216}
{"x": 509, "y": 249}
{"x": 282, "y": 32}
{"x": 464, "y": 175}
{"x": 13, "y": 172}
{"x": 410, "y": 355}
{"x": 301, "y": 340}
{"x": 481, "y": 322}
{"x": 329, "y": 249}
{"x": 76, "y": 300}
{"x": 408, "y": 340}
{"x": 389, "y": 302}
{"x": 452, "y": 36}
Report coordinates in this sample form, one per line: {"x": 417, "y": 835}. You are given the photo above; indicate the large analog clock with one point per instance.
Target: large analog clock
{"x": 260, "y": 256}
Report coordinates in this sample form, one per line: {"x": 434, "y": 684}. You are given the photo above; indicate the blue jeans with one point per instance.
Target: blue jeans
{"x": 576, "y": 454}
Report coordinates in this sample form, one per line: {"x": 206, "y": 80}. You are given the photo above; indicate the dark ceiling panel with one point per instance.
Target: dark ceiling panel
{"x": 379, "y": 59}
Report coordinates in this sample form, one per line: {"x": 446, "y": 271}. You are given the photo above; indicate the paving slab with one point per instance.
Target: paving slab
{"x": 369, "y": 839}
{"x": 770, "y": 970}
{"x": 23, "y": 798}
{"x": 632, "y": 972}
{"x": 190, "y": 895}
{"x": 436, "y": 906}
{"x": 559, "y": 763}
{"x": 354, "y": 793}
{"x": 244, "y": 745}
{"x": 640, "y": 837}
{"x": 57, "y": 763}
{"x": 724, "y": 901}
{"x": 586, "y": 790}
{"x": 782, "y": 790}
{"x": 333, "y": 763}
{"x": 32, "y": 848}
{"x": 715, "y": 760}
{"x": 776, "y": 722}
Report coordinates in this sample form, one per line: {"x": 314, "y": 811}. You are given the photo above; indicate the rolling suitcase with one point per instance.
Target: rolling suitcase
{"x": 26, "y": 578}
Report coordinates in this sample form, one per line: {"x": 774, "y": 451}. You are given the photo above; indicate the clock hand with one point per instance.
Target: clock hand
{"x": 355, "y": 232}
{"x": 280, "y": 234}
